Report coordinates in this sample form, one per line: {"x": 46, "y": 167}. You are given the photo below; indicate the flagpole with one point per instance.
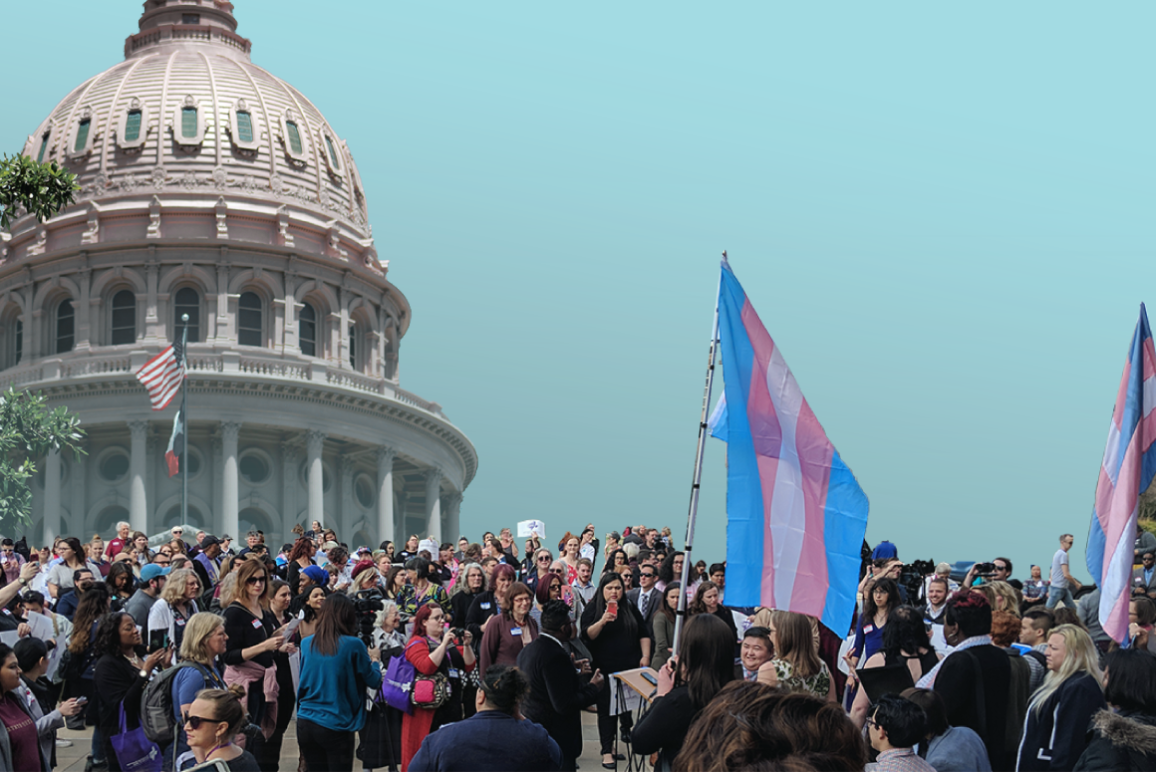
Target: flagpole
{"x": 185, "y": 421}
{"x": 694, "y": 488}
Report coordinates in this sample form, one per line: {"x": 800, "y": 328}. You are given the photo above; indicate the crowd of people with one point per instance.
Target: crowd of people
{"x": 482, "y": 655}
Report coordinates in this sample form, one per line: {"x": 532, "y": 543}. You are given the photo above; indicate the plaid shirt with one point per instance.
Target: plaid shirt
{"x": 900, "y": 760}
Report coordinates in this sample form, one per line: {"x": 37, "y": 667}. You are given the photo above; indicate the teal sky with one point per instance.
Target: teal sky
{"x": 943, "y": 215}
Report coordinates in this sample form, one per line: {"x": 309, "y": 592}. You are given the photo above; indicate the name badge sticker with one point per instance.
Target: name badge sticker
{"x": 487, "y": 606}
{"x": 515, "y": 631}
{"x": 256, "y": 624}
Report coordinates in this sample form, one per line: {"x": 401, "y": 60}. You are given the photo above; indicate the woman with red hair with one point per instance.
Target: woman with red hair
{"x": 431, "y": 650}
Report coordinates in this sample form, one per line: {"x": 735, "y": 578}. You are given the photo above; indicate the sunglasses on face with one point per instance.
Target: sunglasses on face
{"x": 543, "y": 560}
{"x": 194, "y": 722}
{"x": 647, "y": 574}
{"x": 255, "y": 580}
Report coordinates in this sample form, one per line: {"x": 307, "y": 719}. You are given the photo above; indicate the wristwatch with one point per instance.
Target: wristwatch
{"x": 143, "y": 673}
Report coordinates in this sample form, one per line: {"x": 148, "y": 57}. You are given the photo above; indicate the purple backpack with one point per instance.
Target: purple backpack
{"x": 398, "y": 683}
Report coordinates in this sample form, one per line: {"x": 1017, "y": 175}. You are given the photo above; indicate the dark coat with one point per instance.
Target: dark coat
{"x": 1055, "y": 736}
{"x": 557, "y": 695}
{"x": 490, "y": 740}
{"x": 974, "y": 683}
{"x": 1120, "y": 741}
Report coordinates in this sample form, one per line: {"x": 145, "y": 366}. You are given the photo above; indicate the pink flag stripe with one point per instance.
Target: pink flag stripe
{"x": 794, "y": 459}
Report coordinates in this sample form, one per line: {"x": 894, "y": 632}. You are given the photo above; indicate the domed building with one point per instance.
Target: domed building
{"x": 212, "y": 188}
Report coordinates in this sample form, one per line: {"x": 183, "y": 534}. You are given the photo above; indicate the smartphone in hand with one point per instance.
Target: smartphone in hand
{"x": 612, "y": 607}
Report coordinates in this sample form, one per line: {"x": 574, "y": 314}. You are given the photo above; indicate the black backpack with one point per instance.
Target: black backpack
{"x": 156, "y": 704}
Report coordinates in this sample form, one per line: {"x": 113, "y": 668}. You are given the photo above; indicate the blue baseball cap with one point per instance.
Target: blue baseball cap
{"x": 317, "y": 574}
{"x": 885, "y": 549}
{"x": 152, "y": 571}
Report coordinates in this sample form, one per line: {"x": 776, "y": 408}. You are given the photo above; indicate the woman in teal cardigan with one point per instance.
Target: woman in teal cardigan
{"x": 336, "y": 669}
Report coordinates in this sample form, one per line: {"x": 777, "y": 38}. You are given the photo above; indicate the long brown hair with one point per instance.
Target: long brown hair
{"x": 336, "y": 618}
{"x": 706, "y": 658}
{"x": 796, "y": 642}
{"x": 752, "y": 726}
{"x": 92, "y": 606}
{"x": 245, "y": 570}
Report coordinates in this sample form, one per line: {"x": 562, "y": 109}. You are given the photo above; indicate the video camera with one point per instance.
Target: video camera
{"x": 911, "y": 577}
{"x": 366, "y": 604}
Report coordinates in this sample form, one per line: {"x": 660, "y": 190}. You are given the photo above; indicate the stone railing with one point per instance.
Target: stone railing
{"x": 227, "y": 363}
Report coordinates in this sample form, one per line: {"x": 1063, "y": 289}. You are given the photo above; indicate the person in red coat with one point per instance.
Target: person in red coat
{"x": 433, "y": 649}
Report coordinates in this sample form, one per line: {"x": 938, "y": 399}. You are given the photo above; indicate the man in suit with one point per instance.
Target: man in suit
{"x": 557, "y": 695}
{"x": 646, "y": 596}
{"x": 1144, "y": 577}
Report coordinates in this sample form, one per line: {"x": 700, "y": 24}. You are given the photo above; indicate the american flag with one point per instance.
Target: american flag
{"x": 162, "y": 375}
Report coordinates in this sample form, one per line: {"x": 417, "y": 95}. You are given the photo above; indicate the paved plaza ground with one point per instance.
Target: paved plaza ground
{"x": 72, "y": 759}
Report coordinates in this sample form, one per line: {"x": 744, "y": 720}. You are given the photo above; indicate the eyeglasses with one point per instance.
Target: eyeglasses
{"x": 254, "y": 580}
{"x": 872, "y": 722}
{"x": 163, "y": 562}
{"x": 194, "y": 722}
{"x": 556, "y": 571}
{"x": 648, "y": 573}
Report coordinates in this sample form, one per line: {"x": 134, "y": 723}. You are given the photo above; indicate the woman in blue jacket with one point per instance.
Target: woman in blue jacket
{"x": 1056, "y": 727}
{"x": 336, "y": 669}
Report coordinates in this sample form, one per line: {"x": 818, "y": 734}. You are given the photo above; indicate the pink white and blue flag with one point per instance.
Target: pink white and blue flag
{"x": 1126, "y": 472}
{"x": 796, "y": 516}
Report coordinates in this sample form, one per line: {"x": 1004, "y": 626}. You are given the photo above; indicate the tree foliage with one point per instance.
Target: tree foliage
{"x": 41, "y": 188}
{"x": 29, "y": 429}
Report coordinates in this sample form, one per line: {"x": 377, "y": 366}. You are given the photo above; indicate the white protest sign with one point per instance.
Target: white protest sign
{"x": 528, "y": 528}
{"x": 41, "y": 627}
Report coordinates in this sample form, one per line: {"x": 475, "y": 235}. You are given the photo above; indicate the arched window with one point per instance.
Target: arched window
{"x": 249, "y": 328}
{"x": 82, "y": 134}
{"x": 244, "y": 126}
{"x": 294, "y": 137}
{"x": 332, "y": 153}
{"x": 43, "y": 146}
{"x": 17, "y": 342}
{"x": 65, "y": 326}
{"x": 189, "y": 122}
{"x": 307, "y": 330}
{"x": 187, "y": 301}
{"x": 123, "y": 318}
{"x": 132, "y": 126}
{"x": 353, "y": 346}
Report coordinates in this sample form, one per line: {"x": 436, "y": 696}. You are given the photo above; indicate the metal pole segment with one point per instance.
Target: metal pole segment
{"x": 694, "y": 488}
{"x": 185, "y": 420}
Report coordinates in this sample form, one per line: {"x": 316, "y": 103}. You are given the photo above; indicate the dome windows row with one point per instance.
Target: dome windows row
{"x": 190, "y": 124}
{"x": 252, "y": 326}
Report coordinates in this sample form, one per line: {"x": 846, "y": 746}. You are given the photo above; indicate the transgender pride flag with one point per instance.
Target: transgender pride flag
{"x": 1126, "y": 472}
{"x": 795, "y": 514}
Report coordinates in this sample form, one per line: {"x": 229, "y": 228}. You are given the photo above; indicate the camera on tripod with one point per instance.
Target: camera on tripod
{"x": 366, "y": 604}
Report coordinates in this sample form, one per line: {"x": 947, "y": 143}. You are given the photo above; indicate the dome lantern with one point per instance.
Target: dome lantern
{"x": 187, "y": 23}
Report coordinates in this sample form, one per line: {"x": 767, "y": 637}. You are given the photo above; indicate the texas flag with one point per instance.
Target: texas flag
{"x": 176, "y": 442}
{"x": 796, "y": 516}
{"x": 1125, "y": 473}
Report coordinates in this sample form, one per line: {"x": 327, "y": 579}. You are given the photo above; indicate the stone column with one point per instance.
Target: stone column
{"x": 138, "y": 502}
{"x": 52, "y": 497}
{"x": 433, "y": 503}
{"x": 453, "y": 518}
{"x": 288, "y": 486}
{"x": 314, "y": 443}
{"x": 345, "y": 519}
{"x": 385, "y": 457}
{"x": 78, "y": 479}
{"x": 230, "y": 431}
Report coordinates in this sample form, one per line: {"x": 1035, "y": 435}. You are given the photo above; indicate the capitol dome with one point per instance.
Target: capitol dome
{"x": 212, "y": 188}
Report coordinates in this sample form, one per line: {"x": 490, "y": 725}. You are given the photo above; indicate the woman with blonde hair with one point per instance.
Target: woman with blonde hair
{"x": 1056, "y": 727}
{"x": 1002, "y": 597}
{"x": 176, "y": 606}
{"x": 204, "y": 641}
{"x": 796, "y": 666}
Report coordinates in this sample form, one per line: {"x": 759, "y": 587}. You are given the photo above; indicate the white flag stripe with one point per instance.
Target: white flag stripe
{"x": 788, "y": 504}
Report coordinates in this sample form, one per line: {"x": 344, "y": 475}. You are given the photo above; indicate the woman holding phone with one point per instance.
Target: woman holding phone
{"x": 617, "y": 637}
